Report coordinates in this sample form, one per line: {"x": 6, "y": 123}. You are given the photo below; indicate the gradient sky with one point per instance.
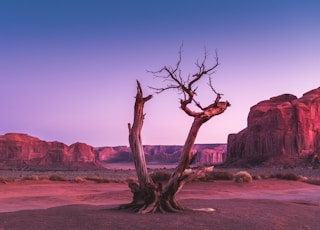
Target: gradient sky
{"x": 68, "y": 68}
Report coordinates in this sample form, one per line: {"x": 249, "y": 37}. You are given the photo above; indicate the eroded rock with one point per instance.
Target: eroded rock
{"x": 284, "y": 127}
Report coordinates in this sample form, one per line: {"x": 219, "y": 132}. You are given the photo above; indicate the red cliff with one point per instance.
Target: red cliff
{"x": 207, "y": 154}
{"x": 24, "y": 151}
{"x": 285, "y": 128}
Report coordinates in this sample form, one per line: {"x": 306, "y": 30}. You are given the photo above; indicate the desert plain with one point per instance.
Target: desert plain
{"x": 262, "y": 204}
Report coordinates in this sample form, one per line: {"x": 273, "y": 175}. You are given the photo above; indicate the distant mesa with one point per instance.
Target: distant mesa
{"x": 282, "y": 130}
{"x": 21, "y": 151}
{"x": 207, "y": 154}
{"x": 24, "y": 152}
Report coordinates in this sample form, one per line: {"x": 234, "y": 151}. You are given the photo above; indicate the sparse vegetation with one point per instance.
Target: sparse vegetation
{"x": 264, "y": 176}
{"x": 98, "y": 179}
{"x": 57, "y": 178}
{"x": 287, "y": 176}
{"x": 254, "y": 177}
{"x": 315, "y": 181}
{"x": 131, "y": 180}
{"x": 219, "y": 175}
{"x": 78, "y": 179}
{"x": 160, "y": 176}
{"x": 243, "y": 177}
{"x": 2, "y": 180}
{"x": 32, "y": 178}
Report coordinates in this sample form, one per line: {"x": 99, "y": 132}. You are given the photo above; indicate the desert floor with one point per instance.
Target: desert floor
{"x": 262, "y": 204}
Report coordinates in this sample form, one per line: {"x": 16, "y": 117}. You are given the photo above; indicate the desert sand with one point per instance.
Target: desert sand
{"x": 262, "y": 204}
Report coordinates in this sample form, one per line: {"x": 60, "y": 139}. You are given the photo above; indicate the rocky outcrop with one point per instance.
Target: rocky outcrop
{"x": 207, "y": 154}
{"x": 285, "y": 128}
{"x": 215, "y": 156}
{"x": 113, "y": 154}
{"x": 24, "y": 151}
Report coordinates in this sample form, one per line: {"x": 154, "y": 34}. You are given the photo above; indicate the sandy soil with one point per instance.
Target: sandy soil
{"x": 262, "y": 204}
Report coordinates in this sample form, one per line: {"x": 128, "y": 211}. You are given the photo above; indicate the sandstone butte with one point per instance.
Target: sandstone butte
{"x": 207, "y": 154}
{"x": 26, "y": 152}
{"x": 282, "y": 130}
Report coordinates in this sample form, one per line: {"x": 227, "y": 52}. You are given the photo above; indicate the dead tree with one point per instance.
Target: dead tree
{"x": 151, "y": 197}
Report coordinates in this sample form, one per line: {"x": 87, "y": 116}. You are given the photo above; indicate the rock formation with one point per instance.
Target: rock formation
{"x": 207, "y": 154}
{"x": 24, "y": 151}
{"x": 284, "y": 128}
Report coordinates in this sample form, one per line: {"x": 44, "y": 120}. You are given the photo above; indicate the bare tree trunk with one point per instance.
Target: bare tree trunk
{"x": 144, "y": 190}
{"x": 179, "y": 177}
{"x": 135, "y": 138}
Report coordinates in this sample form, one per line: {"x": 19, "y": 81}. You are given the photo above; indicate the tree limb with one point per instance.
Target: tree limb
{"x": 188, "y": 87}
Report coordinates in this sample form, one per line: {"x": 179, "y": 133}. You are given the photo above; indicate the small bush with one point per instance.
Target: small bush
{"x": 254, "y": 177}
{"x": 44, "y": 177}
{"x": 287, "y": 176}
{"x": 78, "y": 180}
{"x": 26, "y": 178}
{"x": 313, "y": 181}
{"x": 302, "y": 178}
{"x": 56, "y": 178}
{"x": 2, "y": 180}
{"x": 98, "y": 180}
{"x": 263, "y": 176}
{"x": 132, "y": 180}
{"x": 220, "y": 175}
{"x": 33, "y": 178}
{"x": 243, "y": 176}
{"x": 160, "y": 176}
{"x": 272, "y": 176}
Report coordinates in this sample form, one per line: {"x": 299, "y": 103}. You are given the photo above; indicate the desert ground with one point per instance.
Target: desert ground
{"x": 262, "y": 204}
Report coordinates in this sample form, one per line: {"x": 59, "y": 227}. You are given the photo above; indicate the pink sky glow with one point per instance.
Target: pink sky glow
{"x": 68, "y": 69}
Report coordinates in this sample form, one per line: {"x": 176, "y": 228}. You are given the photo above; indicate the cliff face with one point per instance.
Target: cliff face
{"x": 207, "y": 153}
{"x": 284, "y": 126}
{"x": 23, "y": 151}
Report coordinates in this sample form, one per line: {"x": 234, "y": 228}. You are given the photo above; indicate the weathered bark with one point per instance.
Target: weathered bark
{"x": 144, "y": 190}
{"x": 135, "y": 138}
{"x": 179, "y": 178}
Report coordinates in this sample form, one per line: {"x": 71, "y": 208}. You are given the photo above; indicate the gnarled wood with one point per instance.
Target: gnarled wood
{"x": 147, "y": 196}
{"x": 135, "y": 138}
{"x": 145, "y": 192}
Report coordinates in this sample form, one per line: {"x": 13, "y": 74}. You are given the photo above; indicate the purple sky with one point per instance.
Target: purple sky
{"x": 68, "y": 68}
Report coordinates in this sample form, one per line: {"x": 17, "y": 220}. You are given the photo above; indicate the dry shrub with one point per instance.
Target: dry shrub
{"x": 264, "y": 176}
{"x": 44, "y": 177}
{"x": 287, "y": 176}
{"x": 32, "y": 178}
{"x": 132, "y": 180}
{"x": 302, "y": 178}
{"x": 243, "y": 176}
{"x": 56, "y": 178}
{"x": 254, "y": 177}
{"x": 160, "y": 176}
{"x": 78, "y": 179}
{"x": 99, "y": 180}
{"x": 315, "y": 181}
{"x": 2, "y": 180}
{"x": 219, "y": 175}
{"x": 272, "y": 176}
